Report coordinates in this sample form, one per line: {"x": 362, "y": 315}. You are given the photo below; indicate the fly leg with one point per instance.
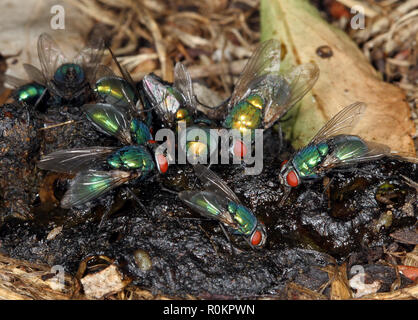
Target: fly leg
{"x": 38, "y": 102}
{"x": 327, "y": 186}
{"x": 168, "y": 190}
{"x": 285, "y": 195}
{"x": 229, "y": 239}
{"x": 215, "y": 112}
{"x": 195, "y": 180}
{"x": 280, "y": 138}
{"x": 108, "y": 209}
{"x": 135, "y": 197}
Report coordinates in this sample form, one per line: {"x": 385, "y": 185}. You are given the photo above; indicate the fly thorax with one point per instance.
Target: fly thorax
{"x": 140, "y": 132}
{"x": 245, "y": 219}
{"x": 131, "y": 158}
{"x": 307, "y": 159}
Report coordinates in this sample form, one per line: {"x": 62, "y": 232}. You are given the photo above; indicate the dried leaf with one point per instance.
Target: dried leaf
{"x": 345, "y": 77}
{"x": 405, "y": 236}
{"x": 340, "y": 289}
{"x": 409, "y": 272}
{"x": 297, "y": 292}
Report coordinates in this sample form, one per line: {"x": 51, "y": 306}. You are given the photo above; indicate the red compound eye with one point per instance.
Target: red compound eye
{"x": 292, "y": 179}
{"x": 283, "y": 163}
{"x": 256, "y": 238}
{"x": 162, "y": 163}
{"x": 240, "y": 149}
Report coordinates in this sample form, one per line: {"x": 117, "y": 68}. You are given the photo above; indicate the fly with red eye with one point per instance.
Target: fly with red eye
{"x": 217, "y": 201}
{"x": 136, "y": 160}
{"x": 332, "y": 147}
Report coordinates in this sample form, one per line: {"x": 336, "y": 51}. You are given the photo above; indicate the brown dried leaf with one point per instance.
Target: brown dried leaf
{"x": 340, "y": 289}
{"x": 405, "y": 236}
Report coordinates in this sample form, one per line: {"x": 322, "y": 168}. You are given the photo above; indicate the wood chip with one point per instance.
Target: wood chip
{"x": 104, "y": 282}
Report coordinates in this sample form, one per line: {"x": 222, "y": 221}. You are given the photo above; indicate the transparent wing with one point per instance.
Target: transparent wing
{"x": 74, "y": 160}
{"x": 297, "y": 83}
{"x": 213, "y": 183}
{"x": 91, "y": 184}
{"x": 103, "y": 71}
{"x": 34, "y": 73}
{"x": 183, "y": 83}
{"x": 50, "y": 55}
{"x": 12, "y": 81}
{"x": 265, "y": 60}
{"x": 349, "y": 153}
{"x": 136, "y": 107}
{"x": 343, "y": 121}
{"x": 91, "y": 55}
{"x": 110, "y": 120}
{"x": 208, "y": 204}
{"x": 165, "y": 103}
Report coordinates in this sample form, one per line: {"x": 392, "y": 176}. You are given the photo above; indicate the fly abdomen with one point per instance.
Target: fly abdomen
{"x": 132, "y": 158}
{"x": 347, "y": 147}
{"x": 112, "y": 90}
{"x": 29, "y": 93}
{"x": 246, "y": 115}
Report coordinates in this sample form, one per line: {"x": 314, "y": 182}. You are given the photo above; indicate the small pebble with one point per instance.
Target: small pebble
{"x": 143, "y": 260}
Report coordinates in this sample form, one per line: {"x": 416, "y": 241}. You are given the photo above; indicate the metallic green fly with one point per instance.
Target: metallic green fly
{"x": 131, "y": 162}
{"x": 173, "y": 102}
{"x": 27, "y": 92}
{"x": 176, "y": 103}
{"x": 333, "y": 148}
{"x": 263, "y": 92}
{"x": 217, "y": 201}
{"x": 69, "y": 81}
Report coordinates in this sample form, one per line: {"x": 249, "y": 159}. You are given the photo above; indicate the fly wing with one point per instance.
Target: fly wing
{"x": 104, "y": 71}
{"x": 136, "y": 107}
{"x": 50, "y": 55}
{"x": 110, "y": 120}
{"x": 183, "y": 83}
{"x": 213, "y": 183}
{"x": 91, "y": 184}
{"x": 34, "y": 73}
{"x": 74, "y": 160}
{"x": 165, "y": 103}
{"x": 296, "y": 84}
{"x": 264, "y": 61}
{"x": 12, "y": 81}
{"x": 91, "y": 55}
{"x": 209, "y": 205}
{"x": 343, "y": 121}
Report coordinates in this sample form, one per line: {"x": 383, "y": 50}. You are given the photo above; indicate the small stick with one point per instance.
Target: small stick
{"x": 60, "y": 124}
